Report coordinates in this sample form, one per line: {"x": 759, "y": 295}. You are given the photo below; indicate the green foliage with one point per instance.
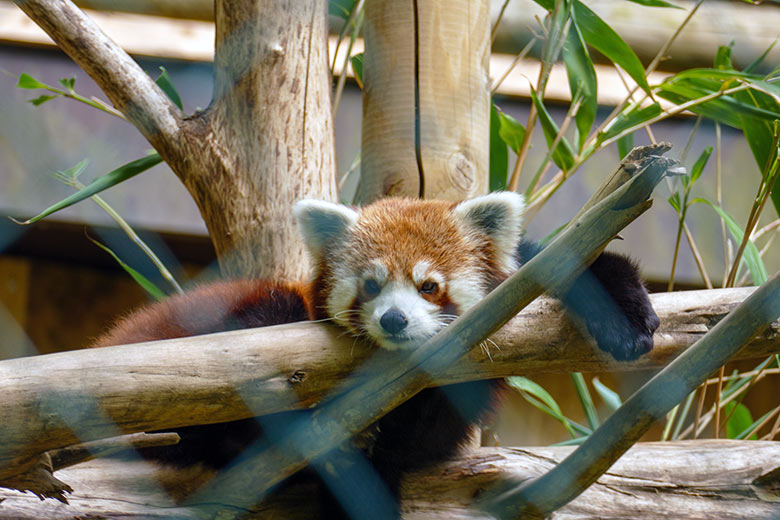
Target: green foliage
{"x": 357, "y": 66}
{"x": 28, "y": 82}
{"x": 164, "y": 82}
{"x": 585, "y": 400}
{"x": 562, "y": 154}
{"x": 632, "y": 117}
{"x": 144, "y": 282}
{"x": 499, "y": 156}
{"x": 510, "y": 131}
{"x": 582, "y": 82}
{"x": 740, "y": 421}
{"x": 599, "y": 35}
{"x": 112, "y": 178}
{"x": 751, "y": 256}
{"x": 541, "y": 399}
{"x": 341, "y": 8}
{"x": 609, "y": 396}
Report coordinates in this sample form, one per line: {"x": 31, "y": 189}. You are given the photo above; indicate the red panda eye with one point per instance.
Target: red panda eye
{"x": 371, "y": 287}
{"x": 429, "y": 287}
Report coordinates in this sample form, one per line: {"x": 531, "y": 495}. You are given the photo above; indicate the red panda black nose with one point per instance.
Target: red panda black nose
{"x": 393, "y": 321}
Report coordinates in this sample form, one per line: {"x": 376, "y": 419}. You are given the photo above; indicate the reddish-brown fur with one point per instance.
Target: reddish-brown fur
{"x": 214, "y": 307}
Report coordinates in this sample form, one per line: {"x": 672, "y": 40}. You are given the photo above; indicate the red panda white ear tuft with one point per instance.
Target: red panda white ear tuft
{"x": 499, "y": 217}
{"x": 323, "y": 224}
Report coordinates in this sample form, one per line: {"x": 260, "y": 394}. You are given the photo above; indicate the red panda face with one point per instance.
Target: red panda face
{"x": 399, "y": 270}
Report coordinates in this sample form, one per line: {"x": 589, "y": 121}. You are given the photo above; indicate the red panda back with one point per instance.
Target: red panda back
{"x": 215, "y": 307}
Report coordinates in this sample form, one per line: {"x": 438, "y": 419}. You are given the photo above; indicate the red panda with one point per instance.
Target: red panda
{"x": 394, "y": 272}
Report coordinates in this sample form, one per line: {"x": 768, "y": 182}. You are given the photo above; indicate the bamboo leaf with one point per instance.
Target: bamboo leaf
{"x": 723, "y": 58}
{"x": 758, "y": 61}
{"x": 42, "y": 99}
{"x": 108, "y": 180}
{"x": 511, "y": 131}
{"x": 67, "y": 83}
{"x": 143, "y": 281}
{"x": 563, "y": 155}
{"x": 674, "y": 200}
{"x": 585, "y": 399}
{"x": 655, "y": 3}
{"x": 599, "y": 35}
{"x": 624, "y": 145}
{"x": 541, "y": 400}
{"x": 632, "y": 116}
{"x": 609, "y": 396}
{"x": 499, "y": 156}
{"x": 164, "y": 82}
{"x": 740, "y": 422}
{"x": 357, "y": 66}
{"x": 341, "y": 8}
{"x": 751, "y": 255}
{"x": 582, "y": 82}
{"x": 700, "y": 163}
{"x": 28, "y": 82}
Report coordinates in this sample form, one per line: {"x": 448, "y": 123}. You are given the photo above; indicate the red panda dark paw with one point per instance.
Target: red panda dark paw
{"x": 625, "y": 342}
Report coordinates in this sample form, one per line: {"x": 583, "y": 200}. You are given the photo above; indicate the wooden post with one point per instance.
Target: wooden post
{"x": 426, "y": 99}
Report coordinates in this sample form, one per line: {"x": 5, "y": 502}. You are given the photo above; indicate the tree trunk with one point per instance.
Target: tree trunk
{"x": 270, "y": 140}
{"x": 426, "y": 100}
{"x": 265, "y": 141}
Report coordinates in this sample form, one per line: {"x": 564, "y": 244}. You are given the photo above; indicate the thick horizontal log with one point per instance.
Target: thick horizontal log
{"x": 681, "y": 480}
{"x": 60, "y": 399}
{"x": 289, "y": 366}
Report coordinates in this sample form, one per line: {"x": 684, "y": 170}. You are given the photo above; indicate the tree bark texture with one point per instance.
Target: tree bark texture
{"x": 265, "y": 141}
{"x": 690, "y": 480}
{"x": 426, "y": 100}
{"x": 57, "y": 400}
{"x": 270, "y": 138}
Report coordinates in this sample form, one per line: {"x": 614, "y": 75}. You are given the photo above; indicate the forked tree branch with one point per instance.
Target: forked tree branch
{"x": 128, "y": 87}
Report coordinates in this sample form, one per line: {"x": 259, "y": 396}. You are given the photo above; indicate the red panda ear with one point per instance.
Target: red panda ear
{"x": 497, "y": 216}
{"x": 323, "y": 224}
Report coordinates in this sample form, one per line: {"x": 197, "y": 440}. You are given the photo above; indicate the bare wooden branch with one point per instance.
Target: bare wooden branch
{"x": 710, "y": 479}
{"x": 78, "y": 453}
{"x": 128, "y": 87}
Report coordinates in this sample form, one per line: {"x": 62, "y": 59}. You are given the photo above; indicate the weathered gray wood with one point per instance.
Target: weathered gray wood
{"x": 146, "y": 386}
{"x": 693, "y": 480}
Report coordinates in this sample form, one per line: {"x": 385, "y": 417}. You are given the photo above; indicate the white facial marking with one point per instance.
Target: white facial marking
{"x": 377, "y": 272}
{"x": 342, "y": 293}
{"x": 466, "y": 289}
{"x": 423, "y": 271}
